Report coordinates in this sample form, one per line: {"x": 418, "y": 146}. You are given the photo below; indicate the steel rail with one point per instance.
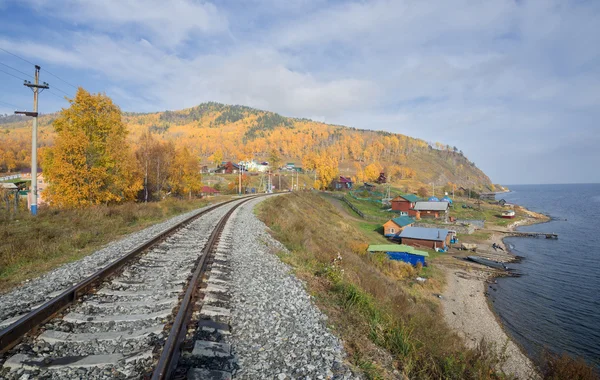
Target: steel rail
{"x": 172, "y": 349}
{"x": 11, "y": 335}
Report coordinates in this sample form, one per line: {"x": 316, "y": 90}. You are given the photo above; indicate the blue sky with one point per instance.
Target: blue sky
{"x": 514, "y": 84}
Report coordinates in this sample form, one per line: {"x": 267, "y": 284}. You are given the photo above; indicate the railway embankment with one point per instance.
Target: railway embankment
{"x": 208, "y": 299}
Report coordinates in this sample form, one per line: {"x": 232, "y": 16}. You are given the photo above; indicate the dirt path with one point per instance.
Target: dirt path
{"x": 341, "y": 208}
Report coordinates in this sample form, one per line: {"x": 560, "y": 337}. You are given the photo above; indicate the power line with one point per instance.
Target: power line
{"x": 58, "y": 96}
{"x": 10, "y": 67}
{"x": 59, "y": 78}
{"x": 12, "y": 75}
{"x": 9, "y": 104}
{"x": 14, "y": 55}
{"x": 64, "y": 92}
{"x": 54, "y": 87}
{"x": 45, "y": 70}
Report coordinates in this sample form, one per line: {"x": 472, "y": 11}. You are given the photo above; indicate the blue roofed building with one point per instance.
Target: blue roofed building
{"x": 434, "y": 238}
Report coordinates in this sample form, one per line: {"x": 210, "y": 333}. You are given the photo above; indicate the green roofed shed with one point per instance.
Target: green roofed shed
{"x": 396, "y": 248}
{"x": 403, "y": 221}
{"x": 411, "y": 198}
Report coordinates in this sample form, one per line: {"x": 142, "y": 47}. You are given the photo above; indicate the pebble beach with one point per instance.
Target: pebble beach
{"x": 467, "y": 311}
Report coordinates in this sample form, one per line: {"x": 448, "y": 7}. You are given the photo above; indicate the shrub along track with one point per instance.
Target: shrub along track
{"x": 114, "y": 323}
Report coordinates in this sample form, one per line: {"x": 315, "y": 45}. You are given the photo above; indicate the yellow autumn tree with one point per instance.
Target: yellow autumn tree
{"x": 371, "y": 171}
{"x": 217, "y": 157}
{"x": 185, "y": 178}
{"x": 326, "y": 166}
{"x": 360, "y": 174}
{"x": 91, "y": 162}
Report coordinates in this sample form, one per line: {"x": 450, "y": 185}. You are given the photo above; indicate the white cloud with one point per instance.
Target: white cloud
{"x": 168, "y": 22}
{"x": 477, "y": 75}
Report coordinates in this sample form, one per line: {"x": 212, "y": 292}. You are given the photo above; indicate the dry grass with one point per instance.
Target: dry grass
{"x": 563, "y": 366}
{"x": 391, "y": 325}
{"x": 30, "y": 246}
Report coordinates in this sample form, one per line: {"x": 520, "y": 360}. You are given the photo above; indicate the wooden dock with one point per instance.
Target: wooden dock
{"x": 532, "y": 234}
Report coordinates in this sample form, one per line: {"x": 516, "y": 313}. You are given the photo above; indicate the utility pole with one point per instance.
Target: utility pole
{"x": 36, "y": 90}
{"x": 240, "y": 181}
{"x": 270, "y": 181}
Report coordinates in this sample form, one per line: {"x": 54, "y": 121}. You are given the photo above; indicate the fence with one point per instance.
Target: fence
{"x": 353, "y": 207}
{"x": 8, "y": 177}
{"x": 9, "y": 203}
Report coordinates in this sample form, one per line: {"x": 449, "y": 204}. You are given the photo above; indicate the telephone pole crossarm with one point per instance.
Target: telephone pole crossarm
{"x": 33, "y": 85}
{"x": 26, "y": 113}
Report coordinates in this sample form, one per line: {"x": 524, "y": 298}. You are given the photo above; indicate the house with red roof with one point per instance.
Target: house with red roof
{"x": 208, "y": 191}
{"x": 343, "y": 183}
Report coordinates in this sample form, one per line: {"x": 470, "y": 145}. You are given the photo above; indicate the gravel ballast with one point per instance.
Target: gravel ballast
{"x": 34, "y": 292}
{"x": 115, "y": 330}
{"x": 277, "y": 331}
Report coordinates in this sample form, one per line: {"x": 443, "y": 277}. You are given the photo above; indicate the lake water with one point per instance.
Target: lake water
{"x": 555, "y": 305}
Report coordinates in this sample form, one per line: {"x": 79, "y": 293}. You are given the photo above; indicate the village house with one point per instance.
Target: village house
{"x": 394, "y": 226}
{"x": 208, "y": 191}
{"x": 342, "y": 183}
{"x": 254, "y": 166}
{"x": 227, "y": 168}
{"x": 403, "y": 203}
{"x": 426, "y": 209}
{"x": 435, "y": 238}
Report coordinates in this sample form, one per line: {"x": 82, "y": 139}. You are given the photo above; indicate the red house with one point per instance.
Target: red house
{"x": 208, "y": 191}
{"x": 228, "y": 168}
{"x": 404, "y": 203}
{"x": 343, "y": 183}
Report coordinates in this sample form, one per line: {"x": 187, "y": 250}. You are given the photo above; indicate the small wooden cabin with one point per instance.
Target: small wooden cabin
{"x": 228, "y": 168}
{"x": 403, "y": 203}
{"x": 394, "y": 226}
{"x": 343, "y": 183}
{"x": 208, "y": 191}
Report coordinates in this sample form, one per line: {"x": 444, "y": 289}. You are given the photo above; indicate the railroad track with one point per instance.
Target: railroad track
{"x": 161, "y": 311}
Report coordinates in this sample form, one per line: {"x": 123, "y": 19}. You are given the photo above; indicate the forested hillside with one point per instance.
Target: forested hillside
{"x": 216, "y": 132}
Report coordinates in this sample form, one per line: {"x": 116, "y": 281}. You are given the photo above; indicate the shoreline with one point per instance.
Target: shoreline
{"x": 468, "y": 310}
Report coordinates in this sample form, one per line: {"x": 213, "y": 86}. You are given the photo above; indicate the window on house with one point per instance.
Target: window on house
{"x": 392, "y": 230}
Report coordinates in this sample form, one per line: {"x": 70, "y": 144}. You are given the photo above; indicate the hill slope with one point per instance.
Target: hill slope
{"x": 216, "y": 131}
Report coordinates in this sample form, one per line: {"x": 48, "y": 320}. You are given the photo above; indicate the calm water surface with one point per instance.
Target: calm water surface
{"x": 556, "y": 303}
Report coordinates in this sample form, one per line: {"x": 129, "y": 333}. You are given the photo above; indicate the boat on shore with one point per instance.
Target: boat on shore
{"x": 486, "y": 262}
{"x": 509, "y": 214}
